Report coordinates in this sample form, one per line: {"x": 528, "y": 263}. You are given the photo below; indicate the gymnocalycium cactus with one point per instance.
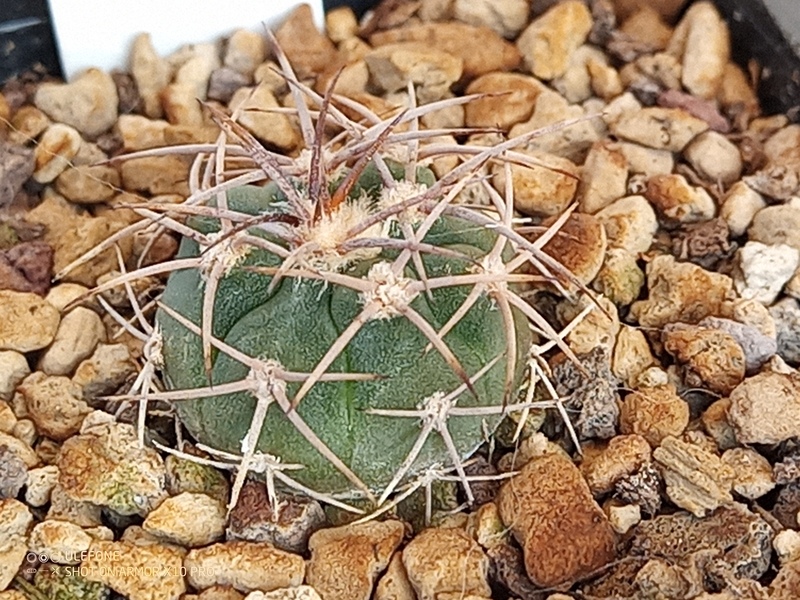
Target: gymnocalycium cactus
{"x": 344, "y": 327}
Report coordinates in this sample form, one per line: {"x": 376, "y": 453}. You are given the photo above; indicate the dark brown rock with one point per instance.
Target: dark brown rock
{"x": 27, "y": 267}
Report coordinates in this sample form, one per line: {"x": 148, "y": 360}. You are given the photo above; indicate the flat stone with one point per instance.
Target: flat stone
{"x": 55, "y": 404}
{"x": 245, "y": 566}
{"x": 550, "y": 510}
{"x": 677, "y": 202}
{"x": 512, "y": 100}
{"x": 79, "y": 333}
{"x": 88, "y": 103}
{"x": 392, "y": 66}
{"x": 660, "y": 128}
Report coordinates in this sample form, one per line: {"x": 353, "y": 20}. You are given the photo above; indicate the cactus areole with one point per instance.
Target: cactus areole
{"x": 339, "y": 333}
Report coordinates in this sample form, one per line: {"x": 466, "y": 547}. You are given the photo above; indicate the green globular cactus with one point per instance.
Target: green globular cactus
{"x": 345, "y": 326}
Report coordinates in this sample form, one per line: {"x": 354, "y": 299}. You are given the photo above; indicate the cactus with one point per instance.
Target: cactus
{"x": 345, "y": 327}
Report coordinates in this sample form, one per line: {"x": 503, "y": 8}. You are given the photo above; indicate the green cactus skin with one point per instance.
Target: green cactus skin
{"x": 296, "y": 323}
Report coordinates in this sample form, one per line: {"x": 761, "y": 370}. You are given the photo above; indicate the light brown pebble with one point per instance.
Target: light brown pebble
{"x": 576, "y": 82}
{"x": 105, "y": 370}
{"x": 598, "y": 329}
{"x": 710, "y": 358}
{"x": 715, "y": 158}
{"x": 157, "y": 175}
{"x": 244, "y": 51}
{"x": 394, "y": 583}
{"x": 512, "y": 100}
{"x": 487, "y": 51}
{"x": 752, "y": 472}
{"x": 88, "y": 103}
{"x": 623, "y": 517}
{"x": 623, "y": 456}
{"x": 79, "y": 333}
{"x": 308, "y": 50}
{"x": 27, "y": 124}
{"x": 541, "y": 191}
{"x": 150, "y": 72}
{"x": 680, "y": 292}
{"x": 301, "y": 592}
{"x": 61, "y": 541}
{"x": 346, "y": 561}
{"x": 274, "y": 129}
{"x": 55, "y": 404}
{"x": 140, "y": 133}
{"x": 696, "y": 479}
{"x": 580, "y": 245}
{"x": 660, "y": 128}
{"x": 787, "y": 546}
{"x": 15, "y": 520}
{"x": 139, "y": 572}
{"x": 40, "y": 484}
{"x": 645, "y": 24}
{"x": 715, "y": 422}
{"x": 168, "y": 520}
{"x": 778, "y": 224}
{"x": 665, "y": 9}
{"x": 677, "y": 202}
{"x": 54, "y": 152}
{"x": 341, "y": 24}
{"x": 392, "y": 66}
{"x": 604, "y": 177}
{"x": 27, "y": 322}
{"x": 564, "y": 534}
{"x": 630, "y": 224}
{"x": 632, "y": 354}
{"x": 88, "y": 184}
{"x": 702, "y": 41}
{"x": 246, "y": 566}
{"x": 765, "y": 408}
{"x": 13, "y": 369}
{"x": 21, "y": 448}
{"x": 547, "y": 43}
{"x": 442, "y": 561}
{"x": 505, "y": 18}
{"x": 740, "y": 205}
{"x": 654, "y": 413}
{"x": 647, "y": 161}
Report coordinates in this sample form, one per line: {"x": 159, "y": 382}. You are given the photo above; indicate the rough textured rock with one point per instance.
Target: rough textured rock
{"x": 654, "y": 413}
{"x": 105, "y": 370}
{"x": 13, "y": 369}
{"x": 13, "y": 473}
{"x": 778, "y": 224}
{"x": 150, "y": 72}
{"x": 346, "y": 561}
{"x": 39, "y": 485}
{"x": 547, "y": 43}
{"x": 660, "y": 128}
{"x": 580, "y": 245}
{"x": 620, "y": 279}
{"x": 786, "y": 314}
{"x": 630, "y": 224}
{"x": 445, "y": 562}
{"x": 15, "y": 520}
{"x": 739, "y": 206}
{"x": 188, "y": 476}
{"x": 696, "y": 479}
{"x": 623, "y": 456}
{"x": 246, "y": 566}
{"x": 156, "y": 175}
{"x": 309, "y": 50}
{"x": 550, "y": 510}
{"x": 252, "y": 519}
{"x": 538, "y": 190}
{"x": 274, "y": 129}
{"x": 394, "y": 583}
{"x": 765, "y": 408}
{"x": 432, "y": 70}
{"x": 105, "y": 465}
{"x": 742, "y": 538}
{"x": 26, "y": 267}
{"x": 680, "y": 292}
{"x": 301, "y": 592}
{"x": 168, "y": 520}
{"x": 88, "y": 184}
{"x": 55, "y": 404}
{"x": 715, "y": 158}
{"x": 710, "y": 358}
{"x": 752, "y": 473}
{"x": 88, "y": 103}
{"x": 642, "y": 489}
{"x": 506, "y": 18}
{"x": 61, "y": 541}
{"x": 487, "y": 52}
{"x": 139, "y": 572}
{"x": 244, "y": 51}
{"x": 512, "y": 100}
{"x": 27, "y": 322}
{"x": 632, "y": 354}
{"x": 57, "y": 147}
{"x": 677, "y": 202}
{"x": 764, "y": 270}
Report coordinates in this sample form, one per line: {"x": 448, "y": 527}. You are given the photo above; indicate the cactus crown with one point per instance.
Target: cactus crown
{"x": 348, "y": 329}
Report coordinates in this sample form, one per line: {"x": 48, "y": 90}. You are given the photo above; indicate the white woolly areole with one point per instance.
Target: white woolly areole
{"x": 153, "y": 348}
{"x": 265, "y": 384}
{"x": 493, "y": 265}
{"x": 437, "y": 407}
{"x": 303, "y": 164}
{"x": 400, "y": 192}
{"x": 391, "y": 293}
{"x": 228, "y": 253}
{"x": 331, "y": 231}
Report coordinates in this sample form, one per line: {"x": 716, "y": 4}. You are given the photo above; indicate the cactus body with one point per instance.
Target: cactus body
{"x": 295, "y": 323}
